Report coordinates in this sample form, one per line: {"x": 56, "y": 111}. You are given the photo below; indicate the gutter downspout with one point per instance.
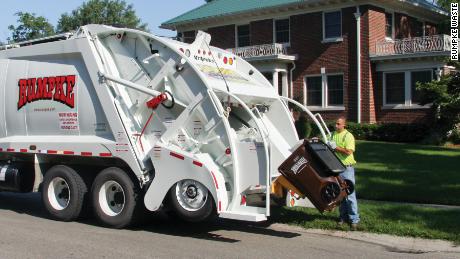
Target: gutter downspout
{"x": 358, "y": 50}
{"x": 291, "y": 92}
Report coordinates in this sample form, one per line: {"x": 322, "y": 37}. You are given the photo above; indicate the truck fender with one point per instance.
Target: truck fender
{"x": 174, "y": 167}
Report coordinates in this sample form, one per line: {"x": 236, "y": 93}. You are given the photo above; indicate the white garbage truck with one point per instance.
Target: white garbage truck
{"x": 113, "y": 121}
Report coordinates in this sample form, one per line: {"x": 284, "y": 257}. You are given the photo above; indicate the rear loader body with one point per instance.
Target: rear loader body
{"x": 123, "y": 120}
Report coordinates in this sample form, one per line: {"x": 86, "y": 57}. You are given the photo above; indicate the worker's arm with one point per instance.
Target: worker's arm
{"x": 349, "y": 147}
{"x": 344, "y": 150}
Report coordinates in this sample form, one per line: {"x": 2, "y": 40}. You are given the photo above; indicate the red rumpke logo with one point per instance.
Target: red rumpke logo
{"x": 57, "y": 88}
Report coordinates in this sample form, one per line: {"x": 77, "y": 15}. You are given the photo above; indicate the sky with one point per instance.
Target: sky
{"x": 152, "y": 12}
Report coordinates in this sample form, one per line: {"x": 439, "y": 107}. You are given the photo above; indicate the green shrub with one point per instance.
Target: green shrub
{"x": 390, "y": 132}
{"x": 454, "y": 135}
{"x": 303, "y": 127}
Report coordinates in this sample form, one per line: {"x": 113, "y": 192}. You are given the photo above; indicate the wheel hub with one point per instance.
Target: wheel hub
{"x": 59, "y": 193}
{"x": 192, "y": 191}
{"x": 191, "y": 195}
{"x": 112, "y": 198}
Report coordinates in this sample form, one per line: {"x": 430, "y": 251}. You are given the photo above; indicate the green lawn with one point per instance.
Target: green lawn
{"x": 407, "y": 173}
{"x": 380, "y": 217}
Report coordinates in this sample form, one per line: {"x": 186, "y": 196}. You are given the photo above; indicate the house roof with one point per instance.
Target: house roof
{"x": 217, "y": 8}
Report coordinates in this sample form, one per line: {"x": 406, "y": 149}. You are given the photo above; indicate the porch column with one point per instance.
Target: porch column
{"x": 285, "y": 86}
{"x": 438, "y": 74}
{"x": 275, "y": 80}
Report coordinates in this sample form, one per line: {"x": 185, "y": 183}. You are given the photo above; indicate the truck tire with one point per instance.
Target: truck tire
{"x": 191, "y": 201}
{"x": 64, "y": 193}
{"x": 115, "y": 197}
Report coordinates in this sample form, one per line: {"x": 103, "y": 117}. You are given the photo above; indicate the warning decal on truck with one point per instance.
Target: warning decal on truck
{"x": 218, "y": 73}
{"x": 68, "y": 120}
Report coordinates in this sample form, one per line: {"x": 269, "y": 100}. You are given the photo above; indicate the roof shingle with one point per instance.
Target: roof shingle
{"x": 227, "y": 7}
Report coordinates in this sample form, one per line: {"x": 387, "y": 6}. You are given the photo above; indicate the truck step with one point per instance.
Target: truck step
{"x": 247, "y": 216}
{"x": 256, "y": 189}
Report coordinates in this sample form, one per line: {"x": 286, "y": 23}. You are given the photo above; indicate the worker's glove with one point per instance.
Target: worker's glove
{"x": 332, "y": 145}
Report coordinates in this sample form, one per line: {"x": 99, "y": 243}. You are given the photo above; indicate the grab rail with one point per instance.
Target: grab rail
{"x": 266, "y": 149}
{"x": 312, "y": 116}
{"x": 324, "y": 124}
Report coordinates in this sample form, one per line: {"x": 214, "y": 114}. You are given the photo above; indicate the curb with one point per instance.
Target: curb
{"x": 392, "y": 243}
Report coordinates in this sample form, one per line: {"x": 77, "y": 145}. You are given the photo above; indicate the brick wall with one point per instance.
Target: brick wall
{"x": 372, "y": 31}
{"x": 339, "y": 57}
{"x": 223, "y": 37}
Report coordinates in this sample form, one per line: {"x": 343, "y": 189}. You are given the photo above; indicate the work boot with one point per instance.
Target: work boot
{"x": 340, "y": 223}
{"x": 354, "y": 226}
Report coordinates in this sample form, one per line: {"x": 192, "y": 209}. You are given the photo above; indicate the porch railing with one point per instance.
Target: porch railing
{"x": 260, "y": 50}
{"x": 435, "y": 43}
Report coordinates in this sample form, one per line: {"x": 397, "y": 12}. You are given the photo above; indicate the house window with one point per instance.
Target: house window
{"x": 325, "y": 91}
{"x": 332, "y": 25}
{"x": 395, "y": 88}
{"x": 389, "y": 25}
{"x": 400, "y": 88}
{"x": 418, "y": 29}
{"x": 314, "y": 91}
{"x": 188, "y": 36}
{"x": 419, "y": 77}
{"x": 282, "y": 31}
{"x": 243, "y": 36}
{"x": 335, "y": 90}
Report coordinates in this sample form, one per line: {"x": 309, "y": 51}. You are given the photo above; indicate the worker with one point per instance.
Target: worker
{"x": 343, "y": 144}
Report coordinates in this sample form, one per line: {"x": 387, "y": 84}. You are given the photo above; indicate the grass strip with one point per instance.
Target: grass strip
{"x": 383, "y": 218}
{"x": 407, "y": 173}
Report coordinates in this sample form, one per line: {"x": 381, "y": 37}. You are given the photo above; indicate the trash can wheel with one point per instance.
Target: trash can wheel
{"x": 330, "y": 192}
{"x": 350, "y": 188}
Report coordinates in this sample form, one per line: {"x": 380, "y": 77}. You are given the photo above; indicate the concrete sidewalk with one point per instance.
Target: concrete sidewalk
{"x": 393, "y": 243}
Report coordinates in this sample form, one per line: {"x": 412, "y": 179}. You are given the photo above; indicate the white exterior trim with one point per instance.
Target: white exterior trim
{"x": 402, "y": 66}
{"x": 358, "y": 58}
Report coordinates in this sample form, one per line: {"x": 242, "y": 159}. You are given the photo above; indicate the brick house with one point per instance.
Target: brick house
{"x": 320, "y": 51}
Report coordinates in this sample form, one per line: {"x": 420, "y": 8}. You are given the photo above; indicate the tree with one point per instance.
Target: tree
{"x": 445, "y": 3}
{"x": 30, "y": 27}
{"x": 444, "y": 26}
{"x": 445, "y": 97}
{"x": 110, "y": 12}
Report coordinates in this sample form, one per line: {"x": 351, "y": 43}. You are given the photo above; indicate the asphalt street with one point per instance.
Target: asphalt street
{"x": 27, "y": 232}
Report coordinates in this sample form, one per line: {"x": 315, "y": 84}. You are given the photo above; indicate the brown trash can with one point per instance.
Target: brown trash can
{"x": 313, "y": 169}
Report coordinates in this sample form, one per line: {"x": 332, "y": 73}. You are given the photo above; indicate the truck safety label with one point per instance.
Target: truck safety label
{"x": 56, "y": 88}
{"x": 68, "y": 120}
{"x": 218, "y": 73}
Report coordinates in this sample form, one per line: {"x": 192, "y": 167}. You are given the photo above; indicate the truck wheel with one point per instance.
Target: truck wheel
{"x": 191, "y": 201}
{"x": 115, "y": 198}
{"x": 63, "y": 193}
